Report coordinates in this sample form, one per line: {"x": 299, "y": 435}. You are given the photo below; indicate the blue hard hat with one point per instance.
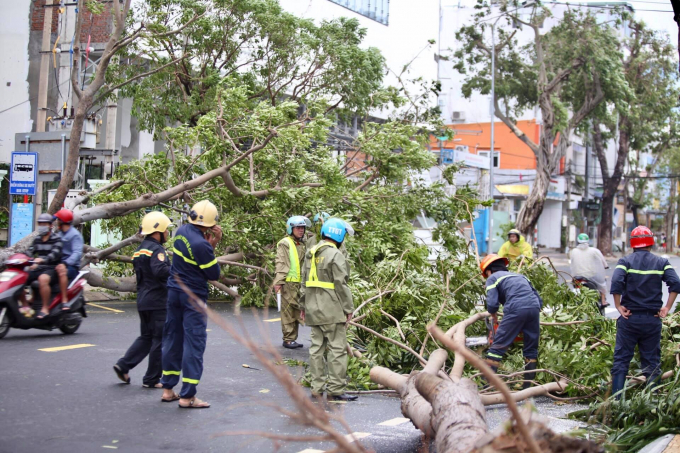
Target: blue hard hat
{"x": 296, "y": 221}
{"x": 335, "y": 229}
{"x": 323, "y": 216}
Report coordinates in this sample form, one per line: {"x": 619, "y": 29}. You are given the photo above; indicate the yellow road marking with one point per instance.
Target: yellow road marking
{"x": 394, "y": 422}
{"x": 311, "y": 450}
{"x": 110, "y": 446}
{"x": 272, "y": 320}
{"x": 106, "y": 308}
{"x": 356, "y": 436}
{"x": 64, "y": 348}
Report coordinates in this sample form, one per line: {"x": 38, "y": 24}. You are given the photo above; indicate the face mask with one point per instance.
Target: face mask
{"x": 43, "y": 230}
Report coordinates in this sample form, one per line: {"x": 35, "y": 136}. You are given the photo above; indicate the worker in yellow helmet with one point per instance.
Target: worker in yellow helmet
{"x": 515, "y": 247}
{"x": 184, "y": 339}
{"x": 152, "y": 268}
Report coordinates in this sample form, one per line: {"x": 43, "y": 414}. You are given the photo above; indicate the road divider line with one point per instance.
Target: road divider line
{"x": 356, "y": 436}
{"x": 272, "y": 320}
{"x": 311, "y": 450}
{"x": 394, "y": 422}
{"x": 65, "y": 348}
{"x": 106, "y": 308}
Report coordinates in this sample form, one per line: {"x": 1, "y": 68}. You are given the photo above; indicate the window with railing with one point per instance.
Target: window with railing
{"x": 378, "y": 10}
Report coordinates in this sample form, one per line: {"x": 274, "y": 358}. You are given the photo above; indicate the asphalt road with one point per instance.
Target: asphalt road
{"x": 69, "y": 400}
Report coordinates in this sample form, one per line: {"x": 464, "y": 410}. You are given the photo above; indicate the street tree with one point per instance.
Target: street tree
{"x": 640, "y": 118}
{"x": 124, "y": 32}
{"x": 563, "y": 72}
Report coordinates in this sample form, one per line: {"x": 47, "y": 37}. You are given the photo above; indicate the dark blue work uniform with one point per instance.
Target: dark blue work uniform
{"x": 152, "y": 268}
{"x": 638, "y": 279}
{"x": 521, "y": 313}
{"x": 185, "y": 335}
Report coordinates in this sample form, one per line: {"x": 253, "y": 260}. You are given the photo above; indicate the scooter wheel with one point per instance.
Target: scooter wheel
{"x": 4, "y": 327}
{"x": 71, "y": 326}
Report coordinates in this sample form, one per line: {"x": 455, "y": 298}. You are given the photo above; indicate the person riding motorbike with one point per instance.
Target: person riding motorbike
{"x": 72, "y": 251}
{"x": 46, "y": 251}
{"x": 515, "y": 247}
{"x": 587, "y": 261}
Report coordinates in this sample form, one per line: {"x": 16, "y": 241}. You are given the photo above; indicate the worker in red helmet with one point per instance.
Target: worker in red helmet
{"x": 72, "y": 251}
{"x": 637, "y": 289}
{"x": 521, "y": 313}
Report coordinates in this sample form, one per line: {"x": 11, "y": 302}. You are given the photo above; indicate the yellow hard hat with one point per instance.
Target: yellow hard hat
{"x": 155, "y": 221}
{"x": 203, "y": 213}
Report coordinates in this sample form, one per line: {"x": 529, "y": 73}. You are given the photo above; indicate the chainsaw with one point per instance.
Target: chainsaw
{"x": 491, "y": 328}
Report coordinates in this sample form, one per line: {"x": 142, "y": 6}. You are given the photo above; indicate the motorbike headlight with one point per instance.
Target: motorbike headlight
{"x": 7, "y": 276}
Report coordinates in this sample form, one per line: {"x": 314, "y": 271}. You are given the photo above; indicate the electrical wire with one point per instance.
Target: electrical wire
{"x": 32, "y": 98}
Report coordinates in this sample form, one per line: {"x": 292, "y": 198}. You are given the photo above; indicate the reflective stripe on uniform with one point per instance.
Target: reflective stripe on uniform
{"x": 190, "y": 381}
{"x": 210, "y": 264}
{"x": 490, "y": 354}
{"x": 501, "y": 279}
{"x": 168, "y": 373}
{"x": 141, "y": 252}
{"x": 294, "y": 271}
{"x": 636, "y": 271}
{"x": 313, "y": 281}
{"x": 178, "y": 253}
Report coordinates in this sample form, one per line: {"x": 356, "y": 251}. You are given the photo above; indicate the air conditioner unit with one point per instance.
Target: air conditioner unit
{"x": 462, "y": 148}
{"x": 458, "y": 117}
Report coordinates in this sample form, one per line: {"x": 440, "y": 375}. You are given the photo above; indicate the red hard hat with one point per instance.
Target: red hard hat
{"x": 65, "y": 215}
{"x": 640, "y": 237}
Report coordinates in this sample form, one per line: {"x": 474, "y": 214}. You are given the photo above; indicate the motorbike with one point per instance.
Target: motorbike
{"x": 13, "y": 282}
{"x": 581, "y": 281}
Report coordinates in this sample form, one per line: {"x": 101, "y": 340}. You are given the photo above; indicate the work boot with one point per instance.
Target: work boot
{"x": 529, "y": 365}
{"x": 344, "y": 397}
{"x": 618, "y": 382}
{"x": 291, "y": 344}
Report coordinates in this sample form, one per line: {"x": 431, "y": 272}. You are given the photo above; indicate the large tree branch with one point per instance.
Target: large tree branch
{"x": 515, "y": 130}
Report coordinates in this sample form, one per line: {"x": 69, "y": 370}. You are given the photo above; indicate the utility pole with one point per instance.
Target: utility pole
{"x": 670, "y": 220}
{"x": 586, "y": 192}
{"x": 44, "y": 78}
{"x": 625, "y": 213}
{"x": 568, "y": 172}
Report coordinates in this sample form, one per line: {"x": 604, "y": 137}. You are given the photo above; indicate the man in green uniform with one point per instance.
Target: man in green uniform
{"x": 327, "y": 306}
{"x": 289, "y": 254}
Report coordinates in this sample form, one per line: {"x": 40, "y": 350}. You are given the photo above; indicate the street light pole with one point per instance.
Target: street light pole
{"x": 489, "y": 248}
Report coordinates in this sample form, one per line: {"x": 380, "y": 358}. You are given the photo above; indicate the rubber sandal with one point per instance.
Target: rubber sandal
{"x": 120, "y": 374}
{"x": 155, "y": 386}
{"x": 195, "y": 403}
{"x": 65, "y": 307}
{"x": 175, "y": 397}
{"x": 42, "y": 315}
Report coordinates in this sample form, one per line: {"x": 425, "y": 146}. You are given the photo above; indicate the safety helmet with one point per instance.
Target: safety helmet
{"x": 488, "y": 259}
{"x": 45, "y": 218}
{"x": 155, "y": 221}
{"x": 297, "y": 221}
{"x": 204, "y": 213}
{"x": 514, "y": 231}
{"x": 582, "y": 238}
{"x": 335, "y": 229}
{"x": 321, "y": 216}
{"x": 65, "y": 215}
{"x": 640, "y": 237}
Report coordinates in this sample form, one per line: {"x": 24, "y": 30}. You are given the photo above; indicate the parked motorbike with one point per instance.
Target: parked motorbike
{"x": 13, "y": 282}
{"x": 581, "y": 281}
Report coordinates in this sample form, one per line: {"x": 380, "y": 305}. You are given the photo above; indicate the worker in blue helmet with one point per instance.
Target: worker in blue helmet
{"x": 327, "y": 306}
{"x": 290, "y": 252}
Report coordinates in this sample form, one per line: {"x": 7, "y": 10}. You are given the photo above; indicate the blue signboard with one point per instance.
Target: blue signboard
{"x": 22, "y": 222}
{"x": 23, "y": 173}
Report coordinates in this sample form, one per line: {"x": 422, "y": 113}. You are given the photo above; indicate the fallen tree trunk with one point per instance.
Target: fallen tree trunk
{"x": 120, "y": 284}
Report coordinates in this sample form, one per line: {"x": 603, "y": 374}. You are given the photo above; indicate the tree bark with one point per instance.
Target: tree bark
{"x": 610, "y": 183}
{"x": 120, "y": 284}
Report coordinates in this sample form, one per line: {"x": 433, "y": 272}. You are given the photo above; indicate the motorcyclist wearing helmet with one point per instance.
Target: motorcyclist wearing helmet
{"x": 327, "y": 307}
{"x": 515, "y": 246}
{"x": 290, "y": 252}
{"x": 587, "y": 261}
{"x": 152, "y": 269}
{"x": 521, "y": 313}
{"x": 72, "y": 241}
{"x": 637, "y": 288}
{"x": 46, "y": 251}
